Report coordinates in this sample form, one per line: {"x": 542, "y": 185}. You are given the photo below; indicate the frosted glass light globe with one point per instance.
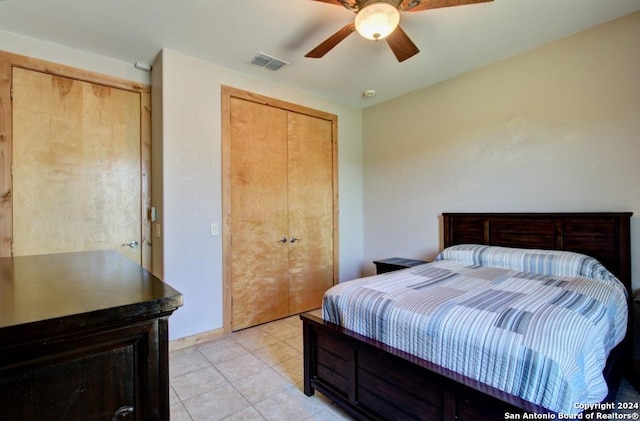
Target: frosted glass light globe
{"x": 377, "y": 20}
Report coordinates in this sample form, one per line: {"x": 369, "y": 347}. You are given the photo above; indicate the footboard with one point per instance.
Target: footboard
{"x": 371, "y": 380}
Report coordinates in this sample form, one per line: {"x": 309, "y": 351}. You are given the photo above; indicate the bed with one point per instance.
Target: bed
{"x": 391, "y": 376}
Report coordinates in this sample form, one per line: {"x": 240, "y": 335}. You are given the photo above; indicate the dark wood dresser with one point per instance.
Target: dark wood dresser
{"x": 83, "y": 336}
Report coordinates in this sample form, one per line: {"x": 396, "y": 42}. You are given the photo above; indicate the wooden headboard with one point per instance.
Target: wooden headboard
{"x": 604, "y": 236}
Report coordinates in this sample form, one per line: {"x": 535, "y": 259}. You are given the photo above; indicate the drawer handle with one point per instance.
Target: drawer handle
{"x": 122, "y": 413}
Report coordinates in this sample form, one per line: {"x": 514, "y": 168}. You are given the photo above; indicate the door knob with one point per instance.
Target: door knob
{"x": 133, "y": 244}
{"x": 282, "y": 240}
{"x": 294, "y": 239}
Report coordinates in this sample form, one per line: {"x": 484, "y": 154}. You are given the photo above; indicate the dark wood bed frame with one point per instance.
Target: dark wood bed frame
{"x": 371, "y": 380}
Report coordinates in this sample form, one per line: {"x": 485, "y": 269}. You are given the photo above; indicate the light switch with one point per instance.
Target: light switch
{"x": 214, "y": 229}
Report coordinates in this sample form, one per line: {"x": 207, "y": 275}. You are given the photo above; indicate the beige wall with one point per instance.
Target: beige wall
{"x": 553, "y": 129}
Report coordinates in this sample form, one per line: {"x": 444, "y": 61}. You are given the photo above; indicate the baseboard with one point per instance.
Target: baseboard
{"x": 188, "y": 341}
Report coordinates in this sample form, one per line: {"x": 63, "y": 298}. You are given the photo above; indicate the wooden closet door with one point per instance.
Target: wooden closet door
{"x": 310, "y": 210}
{"x": 258, "y": 195}
{"x": 76, "y": 166}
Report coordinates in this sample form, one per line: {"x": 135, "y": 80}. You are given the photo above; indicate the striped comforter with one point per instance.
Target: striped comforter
{"x": 536, "y": 324}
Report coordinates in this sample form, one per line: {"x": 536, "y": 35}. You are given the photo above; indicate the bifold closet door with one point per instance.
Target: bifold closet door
{"x": 310, "y": 204}
{"x": 259, "y": 217}
{"x": 281, "y": 212}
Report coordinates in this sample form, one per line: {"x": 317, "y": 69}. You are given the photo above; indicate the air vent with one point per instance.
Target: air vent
{"x": 266, "y": 61}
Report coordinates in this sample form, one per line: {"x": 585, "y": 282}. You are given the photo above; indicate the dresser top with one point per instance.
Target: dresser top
{"x": 82, "y": 289}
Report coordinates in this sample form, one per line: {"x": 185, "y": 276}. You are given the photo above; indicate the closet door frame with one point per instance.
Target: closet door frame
{"x": 227, "y": 93}
{"x": 7, "y": 62}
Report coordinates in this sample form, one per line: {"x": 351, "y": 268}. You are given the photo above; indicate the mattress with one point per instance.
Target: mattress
{"x": 537, "y": 324}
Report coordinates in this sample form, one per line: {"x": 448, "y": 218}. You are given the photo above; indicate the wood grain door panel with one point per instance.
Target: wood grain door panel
{"x": 259, "y": 262}
{"x": 310, "y": 198}
{"x": 76, "y": 166}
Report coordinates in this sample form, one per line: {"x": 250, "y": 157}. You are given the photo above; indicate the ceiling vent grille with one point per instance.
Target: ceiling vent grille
{"x": 268, "y": 62}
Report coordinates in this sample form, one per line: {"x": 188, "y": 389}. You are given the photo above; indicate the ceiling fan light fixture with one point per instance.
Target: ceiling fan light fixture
{"x": 377, "y": 20}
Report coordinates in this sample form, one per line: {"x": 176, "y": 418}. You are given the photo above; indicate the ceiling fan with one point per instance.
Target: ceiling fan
{"x": 379, "y": 19}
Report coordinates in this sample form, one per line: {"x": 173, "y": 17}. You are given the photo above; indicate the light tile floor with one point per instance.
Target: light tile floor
{"x": 256, "y": 374}
{"x": 253, "y": 374}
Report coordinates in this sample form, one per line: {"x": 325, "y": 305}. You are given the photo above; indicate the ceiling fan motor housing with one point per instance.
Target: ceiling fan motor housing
{"x": 360, "y": 4}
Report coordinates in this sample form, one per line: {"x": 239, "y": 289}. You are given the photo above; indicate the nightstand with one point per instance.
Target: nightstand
{"x": 395, "y": 263}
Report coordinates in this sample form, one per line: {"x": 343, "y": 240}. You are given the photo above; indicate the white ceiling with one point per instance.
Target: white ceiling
{"x": 229, "y": 33}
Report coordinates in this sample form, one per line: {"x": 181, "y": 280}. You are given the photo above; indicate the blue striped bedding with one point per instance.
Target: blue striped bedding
{"x": 534, "y": 323}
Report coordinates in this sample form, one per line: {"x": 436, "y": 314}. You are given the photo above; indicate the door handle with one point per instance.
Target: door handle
{"x": 282, "y": 240}
{"x": 294, "y": 239}
{"x": 133, "y": 244}
{"x": 122, "y": 413}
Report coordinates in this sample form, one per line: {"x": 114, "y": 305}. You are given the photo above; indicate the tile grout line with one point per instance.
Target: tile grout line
{"x": 247, "y": 342}
{"x": 228, "y": 381}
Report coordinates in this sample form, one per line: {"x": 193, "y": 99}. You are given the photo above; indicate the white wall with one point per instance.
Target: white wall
{"x": 191, "y": 177}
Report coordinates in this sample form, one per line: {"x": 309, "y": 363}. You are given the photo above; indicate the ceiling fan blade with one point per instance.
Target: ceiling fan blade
{"x": 326, "y": 45}
{"x": 401, "y": 45}
{"x": 411, "y": 6}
